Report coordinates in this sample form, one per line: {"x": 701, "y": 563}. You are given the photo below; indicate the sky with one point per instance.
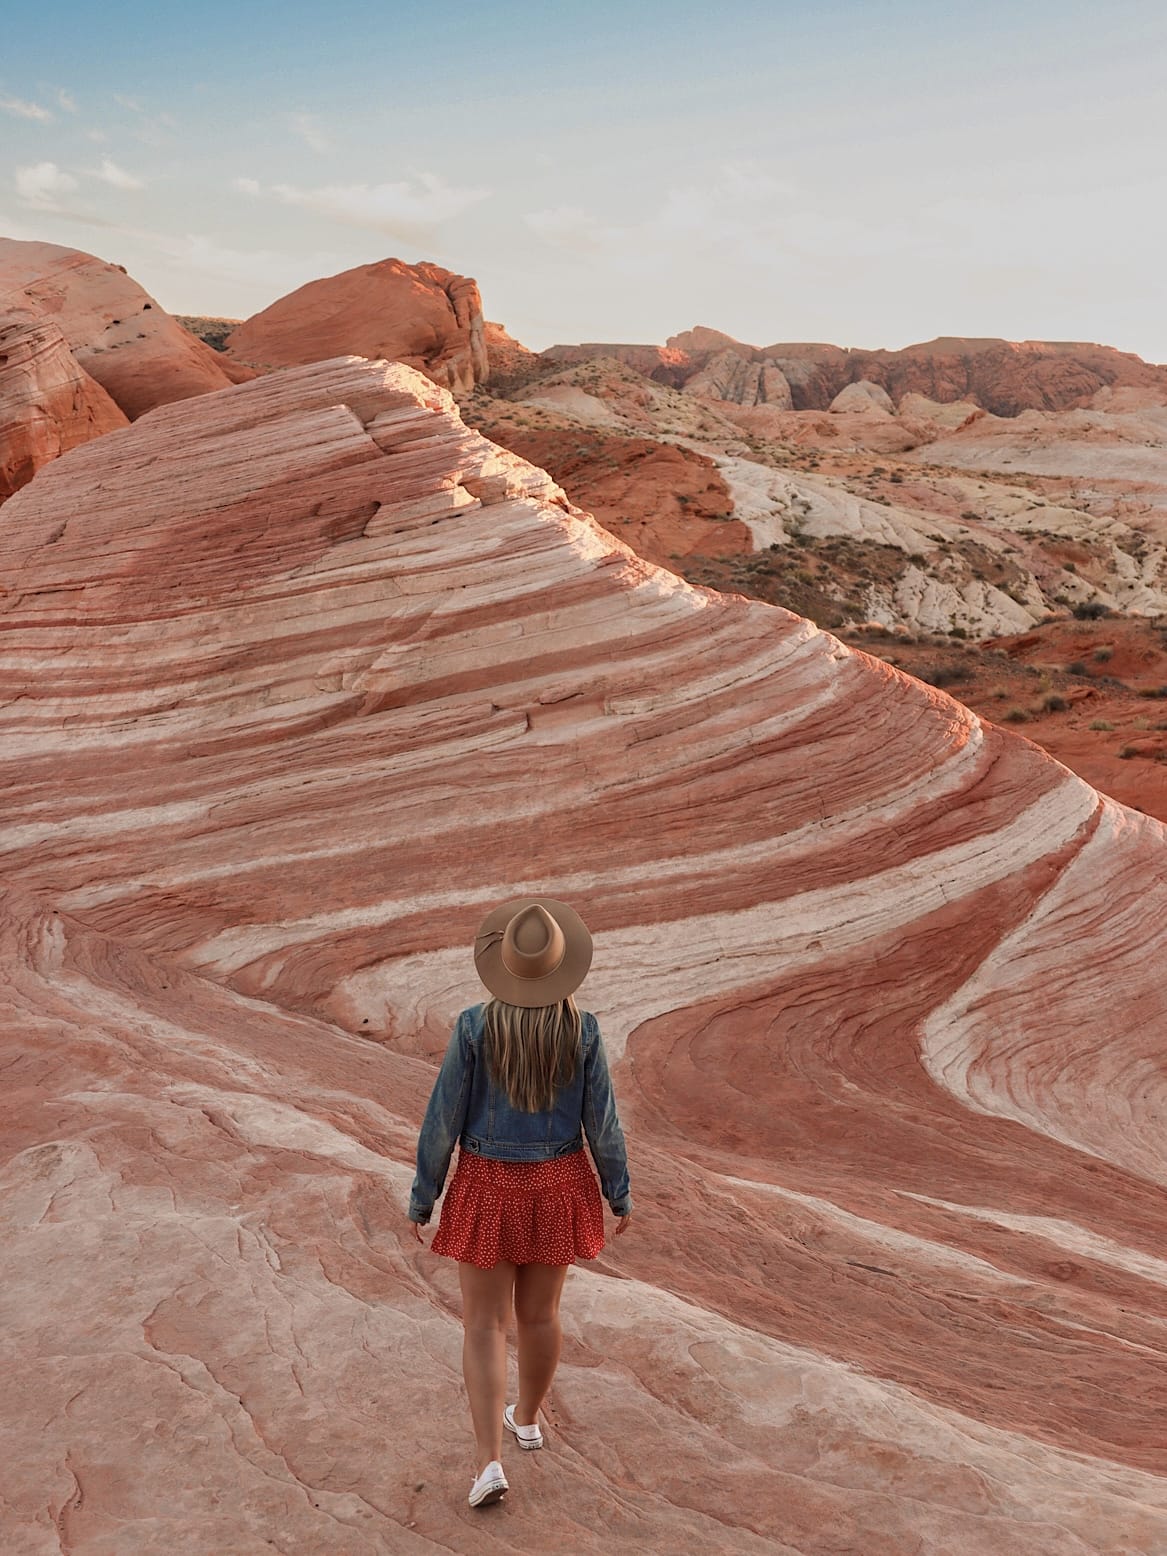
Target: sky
{"x": 865, "y": 172}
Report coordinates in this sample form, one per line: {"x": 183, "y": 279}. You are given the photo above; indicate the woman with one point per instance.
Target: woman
{"x": 522, "y": 1075}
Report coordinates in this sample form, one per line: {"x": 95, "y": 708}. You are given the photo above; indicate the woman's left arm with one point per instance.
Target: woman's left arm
{"x": 444, "y": 1120}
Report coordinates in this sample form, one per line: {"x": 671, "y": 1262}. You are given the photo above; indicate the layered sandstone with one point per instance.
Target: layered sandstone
{"x": 301, "y": 679}
{"x": 48, "y": 402}
{"x": 1002, "y": 376}
{"x": 727, "y": 376}
{"x": 115, "y": 330}
{"x": 422, "y": 315}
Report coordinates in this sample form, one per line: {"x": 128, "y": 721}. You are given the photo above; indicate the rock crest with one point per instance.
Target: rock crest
{"x": 422, "y": 315}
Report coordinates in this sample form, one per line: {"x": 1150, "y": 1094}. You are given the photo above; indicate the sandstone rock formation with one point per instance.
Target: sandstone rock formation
{"x": 48, "y": 403}
{"x": 1002, "y": 376}
{"x": 880, "y": 983}
{"x": 115, "y": 330}
{"x": 728, "y": 376}
{"x": 422, "y": 315}
{"x": 1005, "y": 376}
{"x": 662, "y": 364}
{"x": 666, "y": 502}
{"x": 865, "y": 397}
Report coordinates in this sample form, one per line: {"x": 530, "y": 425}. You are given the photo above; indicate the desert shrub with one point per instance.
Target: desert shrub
{"x": 1126, "y": 752}
{"x": 957, "y": 632}
{"x": 1078, "y": 667}
{"x": 969, "y": 516}
{"x": 1101, "y": 724}
{"x": 1091, "y": 610}
{"x": 1153, "y": 691}
{"x": 895, "y": 477}
{"x": 1070, "y": 567}
{"x": 943, "y": 675}
{"x": 1015, "y": 716}
{"x": 1053, "y": 702}
{"x": 1101, "y": 655}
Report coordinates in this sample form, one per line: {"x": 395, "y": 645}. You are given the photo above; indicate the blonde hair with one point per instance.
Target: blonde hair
{"x": 532, "y": 1050}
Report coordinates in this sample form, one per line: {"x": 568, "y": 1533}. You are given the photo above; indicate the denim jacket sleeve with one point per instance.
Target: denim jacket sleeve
{"x": 602, "y": 1126}
{"x": 444, "y": 1120}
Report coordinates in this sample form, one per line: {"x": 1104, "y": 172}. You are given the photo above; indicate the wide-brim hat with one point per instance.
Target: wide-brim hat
{"x": 532, "y": 951}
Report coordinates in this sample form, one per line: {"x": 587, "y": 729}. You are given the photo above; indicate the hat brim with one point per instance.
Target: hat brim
{"x": 555, "y": 986}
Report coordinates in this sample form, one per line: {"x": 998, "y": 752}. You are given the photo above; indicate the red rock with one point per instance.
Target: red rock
{"x": 664, "y": 501}
{"x": 48, "y": 404}
{"x": 422, "y": 315}
{"x": 115, "y": 330}
{"x": 1001, "y": 376}
{"x": 303, "y": 676}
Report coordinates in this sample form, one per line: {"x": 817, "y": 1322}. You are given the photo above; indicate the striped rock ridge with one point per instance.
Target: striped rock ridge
{"x": 300, "y": 678}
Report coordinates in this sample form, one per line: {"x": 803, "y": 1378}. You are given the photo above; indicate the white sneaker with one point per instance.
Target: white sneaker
{"x": 490, "y": 1486}
{"x": 529, "y": 1437}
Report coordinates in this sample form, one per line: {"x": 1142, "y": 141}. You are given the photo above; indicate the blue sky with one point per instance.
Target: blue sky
{"x": 868, "y": 174}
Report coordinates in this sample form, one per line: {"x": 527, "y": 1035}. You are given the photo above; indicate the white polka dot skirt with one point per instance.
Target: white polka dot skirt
{"x": 547, "y": 1212}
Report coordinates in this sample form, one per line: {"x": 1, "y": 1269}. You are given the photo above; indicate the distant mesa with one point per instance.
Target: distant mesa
{"x": 1002, "y": 376}
{"x": 422, "y": 315}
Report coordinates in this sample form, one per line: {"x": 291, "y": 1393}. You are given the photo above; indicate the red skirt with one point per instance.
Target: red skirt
{"x": 546, "y": 1212}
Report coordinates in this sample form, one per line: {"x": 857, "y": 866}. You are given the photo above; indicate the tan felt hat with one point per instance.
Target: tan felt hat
{"x": 532, "y": 951}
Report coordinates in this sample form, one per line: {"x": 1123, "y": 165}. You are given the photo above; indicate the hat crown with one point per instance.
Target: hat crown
{"x": 533, "y": 944}
{"x": 532, "y": 951}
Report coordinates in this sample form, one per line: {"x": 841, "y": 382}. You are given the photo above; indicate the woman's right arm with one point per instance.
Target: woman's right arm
{"x": 444, "y": 1120}
{"x": 602, "y": 1126}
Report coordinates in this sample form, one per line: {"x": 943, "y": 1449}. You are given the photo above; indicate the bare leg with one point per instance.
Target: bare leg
{"x": 538, "y": 1288}
{"x": 486, "y": 1311}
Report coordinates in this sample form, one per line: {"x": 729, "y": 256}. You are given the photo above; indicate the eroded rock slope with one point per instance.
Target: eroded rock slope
{"x": 299, "y": 679}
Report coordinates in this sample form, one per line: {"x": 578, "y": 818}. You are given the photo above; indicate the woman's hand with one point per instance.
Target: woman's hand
{"x": 623, "y": 1220}
{"x": 416, "y": 1225}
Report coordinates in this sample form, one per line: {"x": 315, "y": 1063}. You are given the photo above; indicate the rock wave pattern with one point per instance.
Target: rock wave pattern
{"x": 299, "y": 678}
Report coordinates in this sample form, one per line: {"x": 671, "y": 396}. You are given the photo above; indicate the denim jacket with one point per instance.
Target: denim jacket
{"x": 466, "y": 1106}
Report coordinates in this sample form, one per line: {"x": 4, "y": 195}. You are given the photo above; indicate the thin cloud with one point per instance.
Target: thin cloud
{"x": 131, "y": 103}
{"x": 411, "y": 210}
{"x": 247, "y": 186}
{"x": 66, "y": 100}
{"x": 566, "y": 227}
{"x": 39, "y": 185}
{"x": 19, "y": 108}
{"x": 110, "y": 173}
{"x": 309, "y": 131}
{"x": 267, "y": 269}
